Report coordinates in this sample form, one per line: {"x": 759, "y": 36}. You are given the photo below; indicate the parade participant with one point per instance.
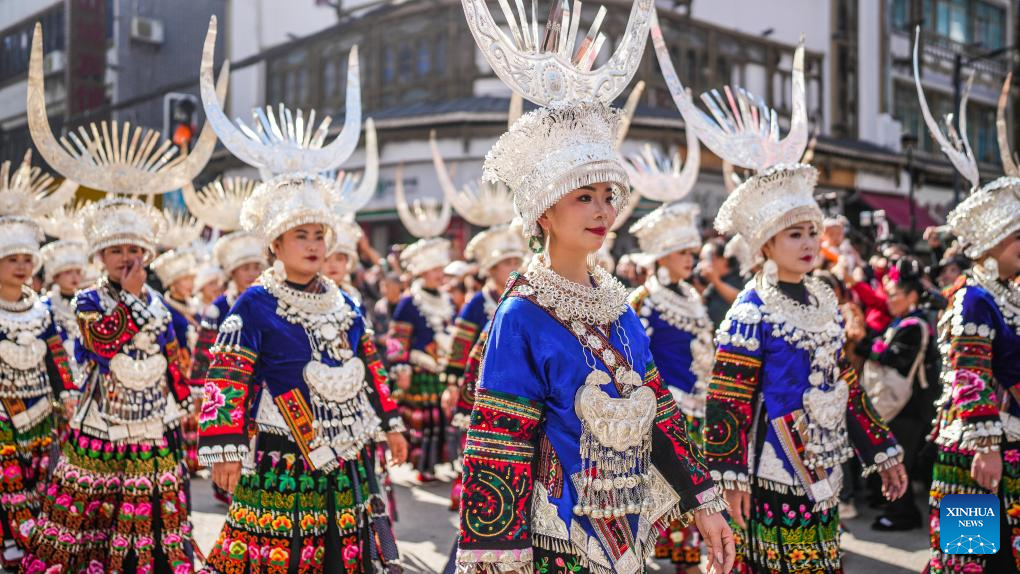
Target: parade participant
{"x": 209, "y": 284}
{"x": 978, "y": 414}
{"x": 175, "y": 270}
{"x": 577, "y": 454}
{"x": 293, "y": 361}
{"x": 119, "y": 497}
{"x": 133, "y": 399}
{"x": 34, "y": 366}
{"x": 680, "y": 334}
{"x": 784, "y": 409}
{"x": 417, "y": 338}
{"x": 64, "y": 262}
{"x": 342, "y": 257}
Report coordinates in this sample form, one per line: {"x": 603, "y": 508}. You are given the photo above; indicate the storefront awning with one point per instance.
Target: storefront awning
{"x": 897, "y": 209}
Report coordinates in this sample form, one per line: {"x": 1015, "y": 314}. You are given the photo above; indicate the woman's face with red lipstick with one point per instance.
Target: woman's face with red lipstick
{"x": 795, "y": 250}
{"x": 302, "y": 251}
{"x": 581, "y": 220}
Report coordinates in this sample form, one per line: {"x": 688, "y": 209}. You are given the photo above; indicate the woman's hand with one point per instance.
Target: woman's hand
{"x": 226, "y": 474}
{"x": 894, "y": 481}
{"x": 986, "y": 470}
{"x": 134, "y": 277}
{"x": 398, "y": 447}
{"x": 719, "y": 539}
{"x": 740, "y": 506}
{"x": 449, "y": 400}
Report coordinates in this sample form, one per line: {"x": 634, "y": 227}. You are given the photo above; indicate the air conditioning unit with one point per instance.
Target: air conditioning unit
{"x": 54, "y": 62}
{"x": 147, "y": 30}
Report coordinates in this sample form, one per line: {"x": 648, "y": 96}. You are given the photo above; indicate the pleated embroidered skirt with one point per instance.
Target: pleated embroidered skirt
{"x": 286, "y": 518}
{"x": 24, "y": 461}
{"x": 115, "y": 507}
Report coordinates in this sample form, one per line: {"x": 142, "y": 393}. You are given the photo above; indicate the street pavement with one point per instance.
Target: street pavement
{"x": 426, "y": 528}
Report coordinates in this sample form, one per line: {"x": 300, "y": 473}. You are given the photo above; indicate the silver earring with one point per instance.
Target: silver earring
{"x": 662, "y": 274}
{"x": 279, "y": 269}
{"x": 771, "y": 271}
{"x": 991, "y": 267}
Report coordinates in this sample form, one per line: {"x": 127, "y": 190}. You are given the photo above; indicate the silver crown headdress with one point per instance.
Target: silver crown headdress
{"x": 173, "y": 265}
{"x": 570, "y": 141}
{"x": 744, "y": 131}
{"x": 668, "y": 228}
{"x": 425, "y": 219}
{"x": 218, "y": 204}
{"x": 31, "y": 192}
{"x": 238, "y": 248}
{"x": 122, "y": 221}
{"x": 283, "y": 143}
{"x": 64, "y": 255}
{"x": 496, "y": 244}
{"x": 289, "y": 152}
{"x": 112, "y": 157}
{"x": 990, "y": 213}
{"x": 348, "y": 234}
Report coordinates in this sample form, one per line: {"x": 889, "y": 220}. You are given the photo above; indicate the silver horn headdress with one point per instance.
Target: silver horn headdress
{"x": 990, "y": 213}
{"x": 112, "y": 157}
{"x": 427, "y": 220}
{"x": 744, "y": 131}
{"x": 285, "y": 142}
{"x": 27, "y": 194}
{"x": 290, "y": 153}
{"x": 570, "y": 141}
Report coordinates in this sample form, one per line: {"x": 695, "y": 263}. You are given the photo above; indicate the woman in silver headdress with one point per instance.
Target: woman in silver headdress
{"x": 34, "y": 368}
{"x": 784, "y": 407}
{"x": 576, "y": 455}
{"x": 977, "y": 422}
{"x": 119, "y": 497}
{"x": 296, "y": 396}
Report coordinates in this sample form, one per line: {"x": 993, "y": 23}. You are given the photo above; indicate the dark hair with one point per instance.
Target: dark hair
{"x": 909, "y": 274}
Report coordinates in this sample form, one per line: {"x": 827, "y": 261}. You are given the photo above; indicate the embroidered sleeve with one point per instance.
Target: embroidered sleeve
{"x": 202, "y": 357}
{"x": 680, "y": 461}
{"x": 103, "y": 334}
{"x": 58, "y": 364}
{"x": 223, "y": 419}
{"x": 176, "y": 370}
{"x": 495, "y": 519}
{"x": 378, "y": 380}
{"x": 870, "y": 436}
{"x": 730, "y": 400}
{"x": 969, "y": 372}
{"x": 496, "y": 501}
{"x": 465, "y": 333}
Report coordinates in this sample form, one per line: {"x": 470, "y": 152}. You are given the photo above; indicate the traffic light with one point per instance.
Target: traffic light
{"x": 179, "y": 119}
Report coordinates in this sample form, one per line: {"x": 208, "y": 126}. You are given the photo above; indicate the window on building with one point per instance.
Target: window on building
{"x": 989, "y": 25}
{"x": 16, "y": 43}
{"x": 901, "y": 15}
{"x": 980, "y": 121}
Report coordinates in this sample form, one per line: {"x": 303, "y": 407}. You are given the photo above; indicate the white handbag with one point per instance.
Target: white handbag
{"x": 888, "y": 390}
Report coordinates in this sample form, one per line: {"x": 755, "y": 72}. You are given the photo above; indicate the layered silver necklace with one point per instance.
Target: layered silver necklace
{"x": 687, "y": 313}
{"x": 22, "y": 350}
{"x": 615, "y": 442}
{"x": 344, "y": 418}
{"x": 815, "y": 328}
{"x": 437, "y": 308}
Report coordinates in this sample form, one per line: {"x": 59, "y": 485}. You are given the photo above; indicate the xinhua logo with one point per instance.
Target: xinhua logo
{"x": 969, "y": 524}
